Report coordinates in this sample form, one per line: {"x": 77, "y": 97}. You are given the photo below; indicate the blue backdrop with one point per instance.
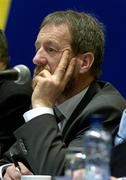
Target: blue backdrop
{"x": 25, "y": 18}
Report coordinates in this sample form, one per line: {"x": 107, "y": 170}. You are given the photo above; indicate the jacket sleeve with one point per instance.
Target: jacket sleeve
{"x": 36, "y": 146}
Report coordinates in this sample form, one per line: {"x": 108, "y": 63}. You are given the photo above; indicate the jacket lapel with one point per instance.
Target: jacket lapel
{"x": 92, "y": 90}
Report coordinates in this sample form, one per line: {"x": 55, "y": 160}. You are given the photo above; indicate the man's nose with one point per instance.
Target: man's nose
{"x": 39, "y": 58}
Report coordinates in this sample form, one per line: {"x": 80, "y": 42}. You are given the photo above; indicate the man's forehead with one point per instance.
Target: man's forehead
{"x": 53, "y": 31}
{"x": 54, "y": 28}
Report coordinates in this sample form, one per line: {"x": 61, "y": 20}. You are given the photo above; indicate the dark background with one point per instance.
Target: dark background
{"x": 25, "y": 18}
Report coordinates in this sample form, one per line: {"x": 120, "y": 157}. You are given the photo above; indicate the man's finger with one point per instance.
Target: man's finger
{"x": 69, "y": 71}
{"x": 63, "y": 65}
{"x": 11, "y": 173}
{"x": 24, "y": 169}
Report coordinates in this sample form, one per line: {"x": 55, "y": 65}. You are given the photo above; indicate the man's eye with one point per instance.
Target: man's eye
{"x": 51, "y": 50}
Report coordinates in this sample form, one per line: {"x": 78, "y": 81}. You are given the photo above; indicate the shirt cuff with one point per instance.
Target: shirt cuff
{"x": 29, "y": 115}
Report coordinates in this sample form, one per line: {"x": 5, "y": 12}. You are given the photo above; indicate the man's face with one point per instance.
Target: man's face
{"x": 52, "y": 40}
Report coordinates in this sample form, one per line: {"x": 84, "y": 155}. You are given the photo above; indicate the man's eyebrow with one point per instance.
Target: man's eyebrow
{"x": 48, "y": 42}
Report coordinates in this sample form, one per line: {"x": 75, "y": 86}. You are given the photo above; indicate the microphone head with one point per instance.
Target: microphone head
{"x": 24, "y": 74}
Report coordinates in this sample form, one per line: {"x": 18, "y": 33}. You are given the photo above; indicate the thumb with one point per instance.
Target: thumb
{"x": 24, "y": 169}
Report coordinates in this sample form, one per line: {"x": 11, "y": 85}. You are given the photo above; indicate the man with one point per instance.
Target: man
{"x": 14, "y": 101}
{"x": 69, "y": 54}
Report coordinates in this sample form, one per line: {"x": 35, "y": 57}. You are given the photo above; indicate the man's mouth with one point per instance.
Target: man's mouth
{"x": 38, "y": 70}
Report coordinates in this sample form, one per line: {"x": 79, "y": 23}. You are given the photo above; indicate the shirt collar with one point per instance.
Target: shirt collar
{"x": 67, "y": 107}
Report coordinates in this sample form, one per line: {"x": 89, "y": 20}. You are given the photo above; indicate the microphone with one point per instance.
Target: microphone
{"x": 20, "y": 74}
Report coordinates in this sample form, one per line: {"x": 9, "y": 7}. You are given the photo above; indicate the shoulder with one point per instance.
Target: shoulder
{"x": 109, "y": 92}
{"x": 107, "y": 99}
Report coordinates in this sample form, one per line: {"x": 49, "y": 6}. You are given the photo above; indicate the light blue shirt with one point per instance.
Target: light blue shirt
{"x": 121, "y": 135}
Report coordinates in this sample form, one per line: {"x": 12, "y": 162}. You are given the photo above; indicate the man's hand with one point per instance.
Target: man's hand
{"x": 12, "y": 173}
{"x": 48, "y": 87}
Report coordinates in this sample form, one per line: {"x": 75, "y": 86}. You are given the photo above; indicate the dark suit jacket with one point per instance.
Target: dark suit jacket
{"x": 14, "y": 101}
{"x": 118, "y": 161}
{"x": 41, "y": 146}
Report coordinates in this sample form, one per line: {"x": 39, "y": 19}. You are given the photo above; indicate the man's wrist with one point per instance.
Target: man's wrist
{"x": 29, "y": 115}
{"x": 42, "y": 104}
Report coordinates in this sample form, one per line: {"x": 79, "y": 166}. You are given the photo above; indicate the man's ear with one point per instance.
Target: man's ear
{"x": 86, "y": 61}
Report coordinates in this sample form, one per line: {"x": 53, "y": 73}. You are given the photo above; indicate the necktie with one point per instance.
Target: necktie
{"x": 59, "y": 116}
{"x": 121, "y": 135}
